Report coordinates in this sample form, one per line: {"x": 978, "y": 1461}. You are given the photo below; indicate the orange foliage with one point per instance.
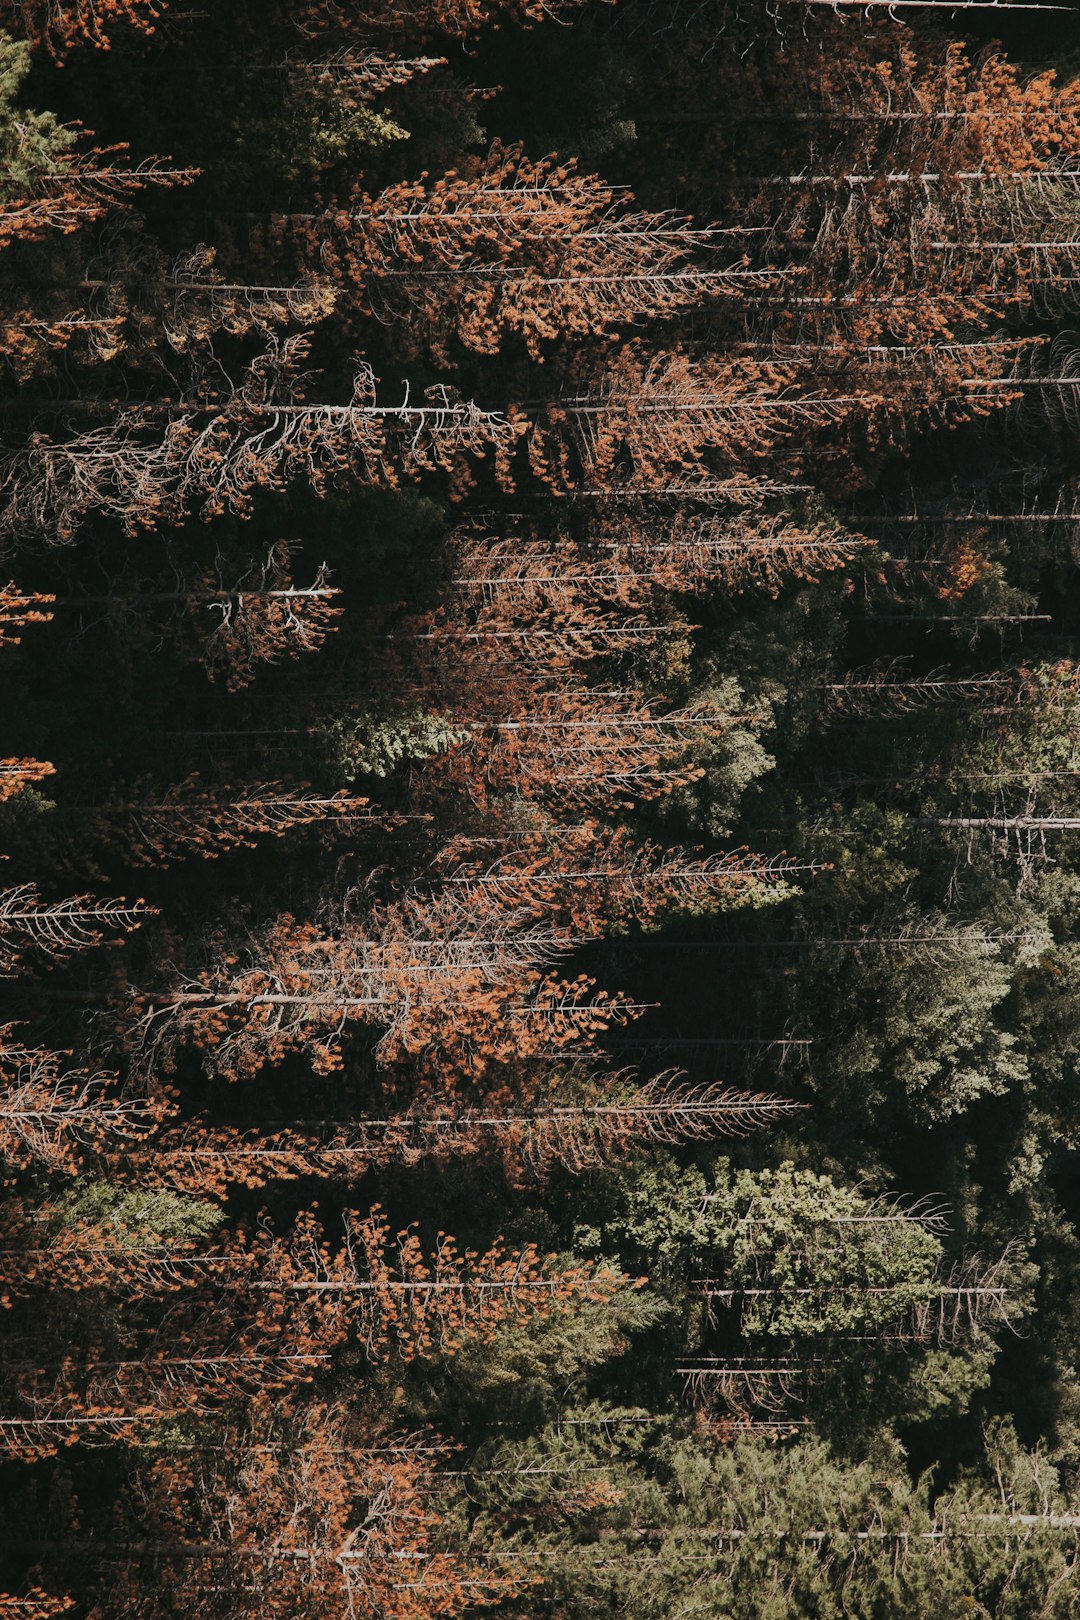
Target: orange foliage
{"x": 18, "y": 609}
{"x": 63, "y": 25}
{"x": 325, "y": 1517}
{"x": 418, "y": 18}
{"x": 508, "y": 248}
{"x": 421, "y": 1304}
{"x": 16, "y": 774}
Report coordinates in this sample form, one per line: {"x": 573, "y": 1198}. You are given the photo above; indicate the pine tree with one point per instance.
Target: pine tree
{"x": 63, "y": 25}
{"x": 512, "y": 248}
{"x": 315, "y": 1517}
{"x": 30, "y": 926}
{"x": 48, "y": 186}
{"x": 581, "y": 1125}
{"x": 163, "y": 462}
{"x": 464, "y": 975}
{"x": 54, "y": 1115}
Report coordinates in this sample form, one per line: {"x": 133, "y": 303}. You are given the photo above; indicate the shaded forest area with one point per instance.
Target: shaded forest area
{"x": 539, "y": 810}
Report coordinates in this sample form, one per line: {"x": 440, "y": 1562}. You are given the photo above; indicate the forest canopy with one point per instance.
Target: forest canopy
{"x": 539, "y": 810}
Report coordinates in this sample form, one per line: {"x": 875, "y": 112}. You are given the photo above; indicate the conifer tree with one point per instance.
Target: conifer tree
{"x": 62, "y": 25}
{"x": 512, "y": 248}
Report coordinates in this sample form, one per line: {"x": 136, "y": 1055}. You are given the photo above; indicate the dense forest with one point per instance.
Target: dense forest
{"x": 539, "y": 810}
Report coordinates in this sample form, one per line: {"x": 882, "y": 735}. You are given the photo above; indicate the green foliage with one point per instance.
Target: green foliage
{"x": 937, "y": 983}
{"x": 530, "y": 1371}
{"x": 649, "y": 1214}
{"x": 766, "y": 1532}
{"x": 730, "y": 762}
{"x": 21, "y": 814}
{"x": 829, "y": 1260}
{"x": 935, "y": 1038}
{"x": 939, "y": 1384}
{"x": 137, "y": 1218}
{"x": 301, "y": 136}
{"x": 32, "y": 144}
{"x": 825, "y": 1258}
{"x": 378, "y": 742}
